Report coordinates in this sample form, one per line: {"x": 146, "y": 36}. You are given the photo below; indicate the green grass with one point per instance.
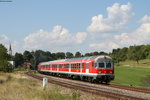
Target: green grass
{"x": 130, "y": 75}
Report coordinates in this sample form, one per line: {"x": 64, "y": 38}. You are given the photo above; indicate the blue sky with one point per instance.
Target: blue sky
{"x": 25, "y": 23}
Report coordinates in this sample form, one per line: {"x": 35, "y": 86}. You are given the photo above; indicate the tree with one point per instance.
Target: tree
{"x": 88, "y": 54}
{"x": 27, "y": 56}
{"x": 102, "y": 53}
{"x": 123, "y": 54}
{"x": 3, "y": 53}
{"x": 4, "y": 57}
{"x": 41, "y": 56}
{"x": 78, "y": 54}
{"x": 18, "y": 59}
{"x": 134, "y": 53}
{"x": 115, "y": 55}
{"x": 60, "y": 55}
{"x": 69, "y": 55}
{"x": 145, "y": 49}
{"x": 95, "y": 53}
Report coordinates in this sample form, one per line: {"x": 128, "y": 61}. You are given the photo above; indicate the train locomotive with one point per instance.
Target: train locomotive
{"x": 94, "y": 69}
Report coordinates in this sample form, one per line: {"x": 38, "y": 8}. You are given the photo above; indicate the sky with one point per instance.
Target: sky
{"x": 74, "y": 25}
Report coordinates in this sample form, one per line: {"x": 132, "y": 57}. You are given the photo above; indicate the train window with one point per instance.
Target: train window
{"x": 108, "y": 65}
{"x": 67, "y": 65}
{"x": 79, "y": 66}
{"x": 101, "y": 65}
{"x": 60, "y": 65}
{"x": 82, "y": 65}
{"x": 73, "y": 66}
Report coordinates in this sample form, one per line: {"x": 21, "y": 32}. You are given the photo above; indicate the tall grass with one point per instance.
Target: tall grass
{"x": 12, "y": 88}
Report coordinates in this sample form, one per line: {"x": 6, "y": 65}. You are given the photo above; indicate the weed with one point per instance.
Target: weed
{"x": 76, "y": 95}
{"x": 9, "y": 78}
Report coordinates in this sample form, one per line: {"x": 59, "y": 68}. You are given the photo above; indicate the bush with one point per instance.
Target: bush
{"x": 5, "y": 66}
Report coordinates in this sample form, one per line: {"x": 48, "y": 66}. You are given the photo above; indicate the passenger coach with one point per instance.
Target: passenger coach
{"x": 94, "y": 68}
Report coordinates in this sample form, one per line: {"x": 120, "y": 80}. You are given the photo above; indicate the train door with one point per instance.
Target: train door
{"x": 69, "y": 67}
{"x": 80, "y": 67}
{"x": 50, "y": 67}
{"x": 57, "y": 67}
{"x": 87, "y": 67}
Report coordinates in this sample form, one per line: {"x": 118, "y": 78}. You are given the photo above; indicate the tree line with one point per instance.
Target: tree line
{"x": 35, "y": 57}
{"x": 135, "y": 53}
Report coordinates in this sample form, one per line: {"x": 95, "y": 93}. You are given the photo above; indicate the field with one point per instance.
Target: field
{"x": 131, "y": 74}
{"x": 15, "y": 86}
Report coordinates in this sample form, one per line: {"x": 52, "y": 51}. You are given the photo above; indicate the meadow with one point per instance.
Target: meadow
{"x": 131, "y": 74}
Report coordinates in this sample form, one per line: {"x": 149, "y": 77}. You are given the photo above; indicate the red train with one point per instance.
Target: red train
{"x": 94, "y": 68}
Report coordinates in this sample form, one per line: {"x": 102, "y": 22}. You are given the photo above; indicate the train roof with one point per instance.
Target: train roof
{"x": 82, "y": 58}
{"x": 76, "y": 59}
{"x": 54, "y": 61}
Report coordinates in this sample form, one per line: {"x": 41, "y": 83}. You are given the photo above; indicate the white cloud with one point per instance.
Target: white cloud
{"x": 106, "y": 46}
{"x": 80, "y": 37}
{"x": 145, "y": 19}
{"x": 142, "y": 34}
{"x": 59, "y": 37}
{"x": 118, "y": 16}
{"x": 6, "y": 41}
{"x": 138, "y": 37}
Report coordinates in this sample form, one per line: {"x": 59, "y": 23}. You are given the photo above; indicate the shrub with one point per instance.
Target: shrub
{"x": 5, "y": 66}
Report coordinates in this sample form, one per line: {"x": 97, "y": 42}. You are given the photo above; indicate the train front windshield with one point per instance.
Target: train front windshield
{"x": 105, "y": 65}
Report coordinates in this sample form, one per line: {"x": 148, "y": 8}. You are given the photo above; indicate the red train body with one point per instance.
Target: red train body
{"x": 94, "y": 68}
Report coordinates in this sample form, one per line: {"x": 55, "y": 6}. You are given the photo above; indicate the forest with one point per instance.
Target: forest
{"x": 136, "y": 53}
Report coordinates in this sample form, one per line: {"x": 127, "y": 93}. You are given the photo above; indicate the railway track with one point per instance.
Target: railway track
{"x": 129, "y": 88}
{"x": 110, "y": 91}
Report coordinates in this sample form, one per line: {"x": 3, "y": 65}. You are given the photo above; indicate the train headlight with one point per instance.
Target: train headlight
{"x": 99, "y": 72}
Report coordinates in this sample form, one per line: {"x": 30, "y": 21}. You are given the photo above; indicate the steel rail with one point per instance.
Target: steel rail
{"x": 87, "y": 88}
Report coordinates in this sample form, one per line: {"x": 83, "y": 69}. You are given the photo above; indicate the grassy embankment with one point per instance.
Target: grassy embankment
{"x": 17, "y": 87}
{"x": 130, "y": 73}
